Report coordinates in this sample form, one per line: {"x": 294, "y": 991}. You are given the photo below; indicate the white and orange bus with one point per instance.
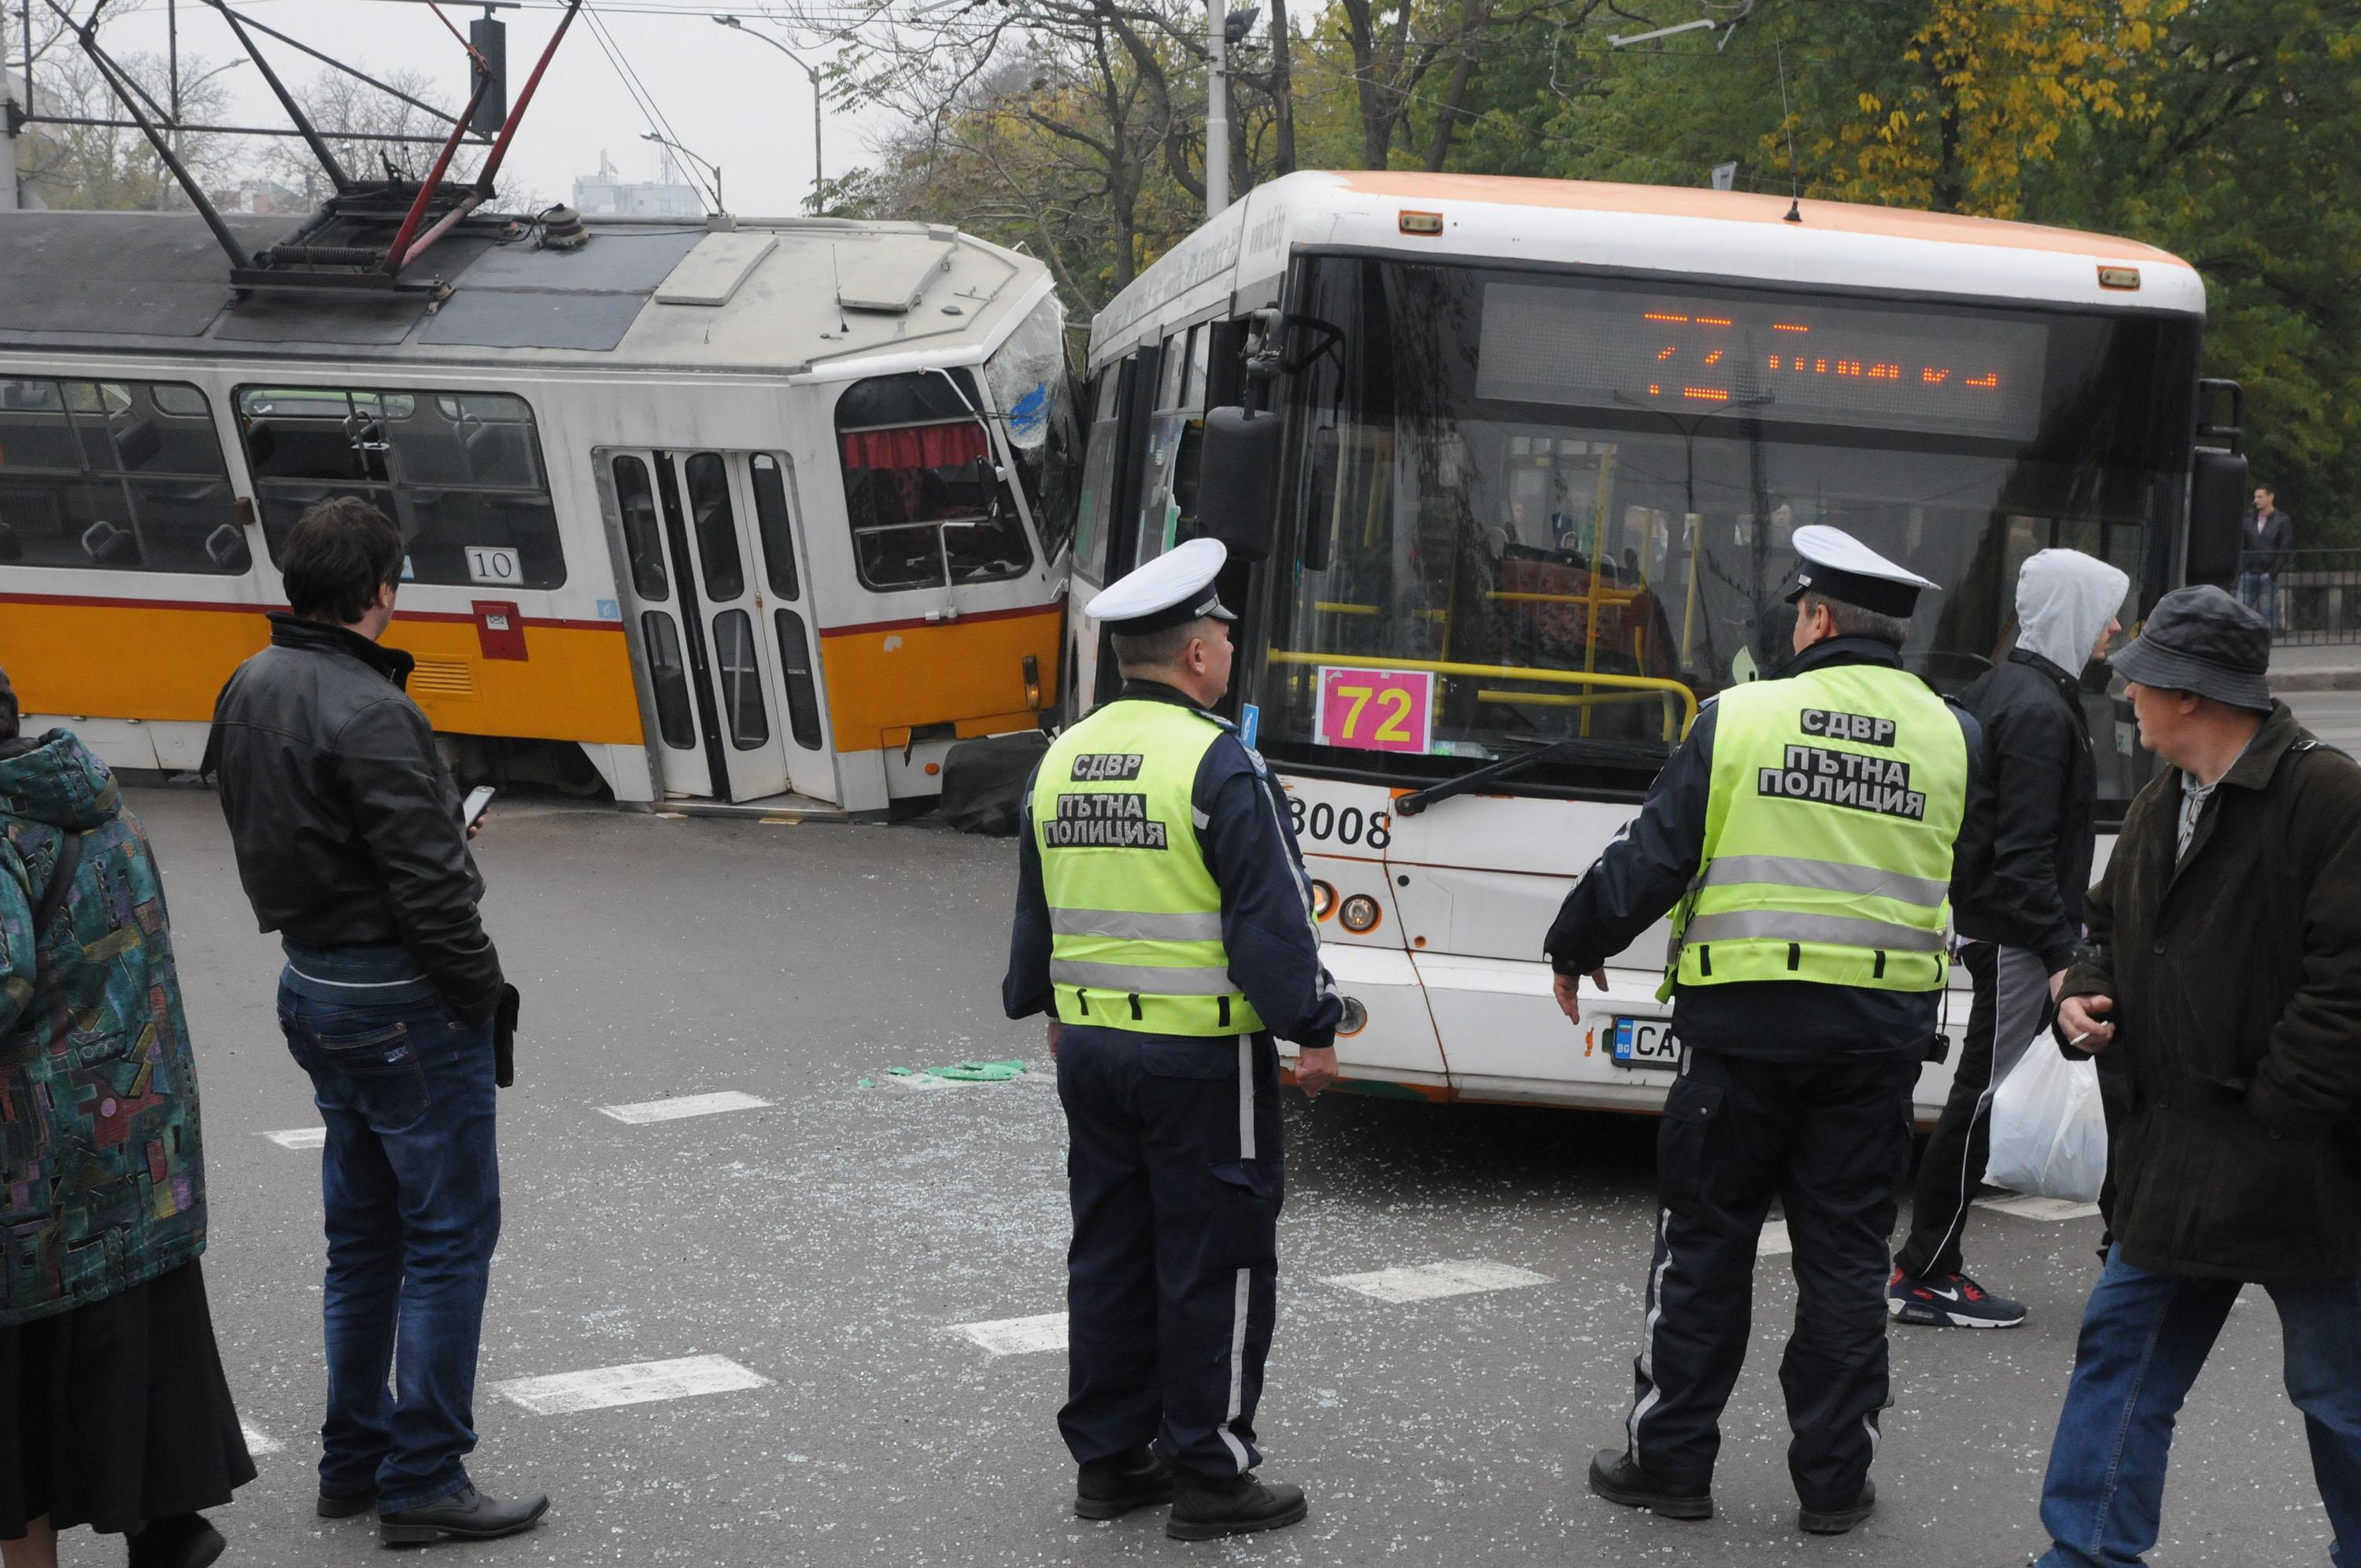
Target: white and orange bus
{"x": 1524, "y": 496}
{"x": 745, "y": 512}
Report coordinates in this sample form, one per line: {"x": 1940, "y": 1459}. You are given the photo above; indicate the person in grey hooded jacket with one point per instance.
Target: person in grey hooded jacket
{"x": 2017, "y": 903}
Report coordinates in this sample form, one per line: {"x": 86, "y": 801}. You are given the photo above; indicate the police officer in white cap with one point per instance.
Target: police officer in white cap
{"x": 1802, "y": 839}
{"x": 1164, "y": 923}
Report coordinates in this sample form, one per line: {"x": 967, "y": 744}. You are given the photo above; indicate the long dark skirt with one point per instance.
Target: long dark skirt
{"x": 118, "y": 1412}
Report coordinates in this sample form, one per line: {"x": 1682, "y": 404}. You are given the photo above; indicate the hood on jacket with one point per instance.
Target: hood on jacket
{"x": 55, "y": 780}
{"x": 2064, "y": 599}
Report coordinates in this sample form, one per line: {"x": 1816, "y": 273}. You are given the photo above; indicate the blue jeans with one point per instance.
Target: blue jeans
{"x": 2144, "y": 1337}
{"x": 411, "y": 1180}
{"x": 2258, "y": 591}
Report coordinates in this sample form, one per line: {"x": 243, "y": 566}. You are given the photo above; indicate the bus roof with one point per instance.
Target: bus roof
{"x": 787, "y": 296}
{"x": 1740, "y": 236}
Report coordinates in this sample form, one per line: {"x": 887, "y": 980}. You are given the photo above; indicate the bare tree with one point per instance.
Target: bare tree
{"x": 340, "y": 105}
{"x": 1399, "y": 46}
{"x": 110, "y": 166}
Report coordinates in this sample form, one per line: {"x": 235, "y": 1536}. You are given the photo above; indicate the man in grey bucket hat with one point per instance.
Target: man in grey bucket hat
{"x": 2221, "y": 976}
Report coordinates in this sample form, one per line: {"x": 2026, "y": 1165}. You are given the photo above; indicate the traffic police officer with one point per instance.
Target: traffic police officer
{"x": 1805, "y": 831}
{"x": 1164, "y": 921}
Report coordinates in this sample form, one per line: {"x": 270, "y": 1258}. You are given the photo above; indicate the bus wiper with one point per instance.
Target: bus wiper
{"x": 1410, "y": 804}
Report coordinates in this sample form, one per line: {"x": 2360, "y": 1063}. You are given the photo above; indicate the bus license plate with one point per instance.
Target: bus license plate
{"x": 1645, "y": 1042}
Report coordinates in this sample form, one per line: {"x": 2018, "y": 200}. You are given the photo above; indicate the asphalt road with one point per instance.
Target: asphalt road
{"x": 829, "y": 1244}
{"x": 2335, "y": 717}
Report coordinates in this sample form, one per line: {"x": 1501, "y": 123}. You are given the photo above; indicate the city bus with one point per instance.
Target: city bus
{"x": 1511, "y": 471}
{"x": 737, "y": 514}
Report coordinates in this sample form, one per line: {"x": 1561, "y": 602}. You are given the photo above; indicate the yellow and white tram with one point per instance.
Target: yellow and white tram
{"x": 747, "y": 511}
{"x": 1538, "y": 453}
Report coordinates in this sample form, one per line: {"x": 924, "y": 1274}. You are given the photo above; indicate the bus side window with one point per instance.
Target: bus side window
{"x": 1090, "y": 532}
{"x": 114, "y": 475}
{"x": 461, "y": 473}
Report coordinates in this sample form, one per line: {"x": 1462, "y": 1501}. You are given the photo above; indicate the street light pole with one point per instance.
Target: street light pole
{"x": 714, "y": 169}
{"x": 819, "y": 179}
{"x": 1217, "y": 109}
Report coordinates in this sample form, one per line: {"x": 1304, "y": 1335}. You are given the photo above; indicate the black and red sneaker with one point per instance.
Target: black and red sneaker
{"x": 1948, "y": 1301}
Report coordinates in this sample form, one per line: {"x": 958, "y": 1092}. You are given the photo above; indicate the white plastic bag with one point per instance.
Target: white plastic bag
{"x": 2048, "y": 1133}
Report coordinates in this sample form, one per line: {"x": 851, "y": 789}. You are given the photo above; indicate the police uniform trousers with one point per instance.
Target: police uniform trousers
{"x": 1173, "y": 1163}
{"x": 1830, "y": 1138}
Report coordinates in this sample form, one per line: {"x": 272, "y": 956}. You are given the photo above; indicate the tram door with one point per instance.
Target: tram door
{"x": 717, "y": 592}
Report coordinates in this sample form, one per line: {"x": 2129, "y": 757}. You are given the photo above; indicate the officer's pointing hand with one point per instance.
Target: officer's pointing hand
{"x": 1567, "y": 987}
{"x": 2078, "y": 1019}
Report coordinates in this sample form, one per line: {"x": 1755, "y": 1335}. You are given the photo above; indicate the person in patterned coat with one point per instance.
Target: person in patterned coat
{"x": 113, "y": 1410}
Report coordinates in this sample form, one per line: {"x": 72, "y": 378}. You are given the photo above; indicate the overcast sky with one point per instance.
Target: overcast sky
{"x": 741, "y": 104}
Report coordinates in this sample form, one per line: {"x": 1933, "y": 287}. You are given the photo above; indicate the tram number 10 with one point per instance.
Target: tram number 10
{"x": 1323, "y": 822}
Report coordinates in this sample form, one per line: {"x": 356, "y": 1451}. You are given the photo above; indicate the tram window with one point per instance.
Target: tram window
{"x": 771, "y": 516}
{"x": 927, "y": 503}
{"x": 1032, "y": 390}
{"x": 717, "y": 528}
{"x": 642, "y": 534}
{"x": 803, "y": 688}
{"x": 460, "y": 473}
{"x": 114, "y": 475}
{"x": 668, "y": 678}
{"x": 741, "y": 680}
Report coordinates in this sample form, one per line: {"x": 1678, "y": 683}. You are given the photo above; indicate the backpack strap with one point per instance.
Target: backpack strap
{"x": 62, "y": 875}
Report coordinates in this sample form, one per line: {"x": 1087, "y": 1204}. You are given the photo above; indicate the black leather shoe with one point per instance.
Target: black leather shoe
{"x": 470, "y": 1515}
{"x": 1206, "y": 1510}
{"x": 1110, "y": 1488}
{"x": 335, "y": 1508}
{"x": 184, "y": 1540}
{"x": 1835, "y": 1521}
{"x": 1614, "y": 1477}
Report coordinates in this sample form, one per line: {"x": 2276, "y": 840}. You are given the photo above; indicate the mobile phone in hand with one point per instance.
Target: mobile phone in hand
{"x": 480, "y": 800}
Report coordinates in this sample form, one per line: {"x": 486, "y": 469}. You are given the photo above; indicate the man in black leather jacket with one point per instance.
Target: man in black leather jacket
{"x": 2017, "y": 902}
{"x": 349, "y": 840}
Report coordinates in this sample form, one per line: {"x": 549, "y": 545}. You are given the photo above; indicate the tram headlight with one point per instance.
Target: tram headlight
{"x": 1356, "y": 1019}
{"x": 1324, "y": 899}
{"x": 1359, "y": 914}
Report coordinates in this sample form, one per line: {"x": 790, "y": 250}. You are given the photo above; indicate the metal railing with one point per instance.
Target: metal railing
{"x": 2316, "y": 599}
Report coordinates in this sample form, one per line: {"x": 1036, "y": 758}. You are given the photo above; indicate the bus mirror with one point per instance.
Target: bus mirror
{"x": 2217, "y": 505}
{"x": 1238, "y": 479}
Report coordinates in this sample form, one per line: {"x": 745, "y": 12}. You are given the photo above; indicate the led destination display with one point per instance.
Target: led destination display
{"x": 1790, "y": 360}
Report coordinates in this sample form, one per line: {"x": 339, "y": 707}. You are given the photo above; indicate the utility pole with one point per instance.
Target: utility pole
{"x": 1217, "y": 108}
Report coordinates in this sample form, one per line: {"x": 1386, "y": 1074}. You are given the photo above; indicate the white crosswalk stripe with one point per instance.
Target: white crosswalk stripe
{"x": 1433, "y": 1281}
{"x": 300, "y": 1137}
{"x": 258, "y": 1442}
{"x": 2027, "y": 1207}
{"x": 1016, "y": 1336}
{"x": 683, "y": 1105}
{"x": 635, "y": 1383}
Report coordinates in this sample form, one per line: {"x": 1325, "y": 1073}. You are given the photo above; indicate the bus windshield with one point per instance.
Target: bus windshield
{"x": 1530, "y": 509}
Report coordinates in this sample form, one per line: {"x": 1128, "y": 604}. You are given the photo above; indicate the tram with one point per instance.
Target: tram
{"x": 739, "y": 511}
{"x": 1509, "y": 470}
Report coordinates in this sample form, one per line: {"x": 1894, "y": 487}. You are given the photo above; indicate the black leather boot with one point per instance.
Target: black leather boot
{"x": 1204, "y": 1509}
{"x": 184, "y": 1540}
{"x": 1110, "y": 1488}
{"x": 469, "y": 1516}
{"x": 1835, "y": 1521}
{"x": 1614, "y": 1477}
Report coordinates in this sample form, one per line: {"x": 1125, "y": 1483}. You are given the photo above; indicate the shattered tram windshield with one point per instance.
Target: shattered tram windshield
{"x": 1532, "y": 507}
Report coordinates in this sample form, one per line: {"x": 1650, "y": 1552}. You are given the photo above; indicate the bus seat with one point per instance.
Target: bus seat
{"x": 496, "y": 456}
{"x": 225, "y": 547}
{"x": 138, "y": 444}
{"x": 261, "y": 444}
{"x": 108, "y": 545}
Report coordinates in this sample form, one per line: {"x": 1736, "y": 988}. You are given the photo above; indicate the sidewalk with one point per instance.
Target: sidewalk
{"x": 2316, "y": 667}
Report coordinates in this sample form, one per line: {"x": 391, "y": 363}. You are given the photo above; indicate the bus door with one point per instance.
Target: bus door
{"x": 716, "y": 594}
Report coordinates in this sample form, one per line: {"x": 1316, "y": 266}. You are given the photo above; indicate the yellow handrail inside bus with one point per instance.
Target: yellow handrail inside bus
{"x": 1559, "y": 699}
{"x": 1504, "y": 672}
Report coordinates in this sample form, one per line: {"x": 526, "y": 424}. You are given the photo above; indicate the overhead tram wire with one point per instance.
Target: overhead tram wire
{"x": 641, "y": 98}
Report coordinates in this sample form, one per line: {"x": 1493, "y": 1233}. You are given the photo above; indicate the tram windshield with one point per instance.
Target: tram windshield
{"x": 1532, "y": 509}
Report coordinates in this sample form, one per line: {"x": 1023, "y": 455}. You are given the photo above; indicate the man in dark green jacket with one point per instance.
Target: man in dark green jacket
{"x": 2224, "y": 969}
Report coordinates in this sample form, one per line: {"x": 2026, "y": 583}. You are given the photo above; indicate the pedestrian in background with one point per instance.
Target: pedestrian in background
{"x": 2264, "y": 541}
{"x": 2224, "y": 969}
{"x": 1164, "y": 923}
{"x": 349, "y": 843}
{"x": 2018, "y": 903}
{"x": 113, "y": 1411}
{"x": 1805, "y": 831}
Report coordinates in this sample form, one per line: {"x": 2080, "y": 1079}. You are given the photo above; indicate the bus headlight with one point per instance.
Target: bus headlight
{"x": 1324, "y": 900}
{"x": 1359, "y": 914}
{"x": 1356, "y": 1019}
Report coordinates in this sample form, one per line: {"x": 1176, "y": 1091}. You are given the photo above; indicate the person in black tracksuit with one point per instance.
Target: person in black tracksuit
{"x": 2017, "y": 903}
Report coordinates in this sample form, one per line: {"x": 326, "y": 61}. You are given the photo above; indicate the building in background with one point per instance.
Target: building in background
{"x": 608, "y": 194}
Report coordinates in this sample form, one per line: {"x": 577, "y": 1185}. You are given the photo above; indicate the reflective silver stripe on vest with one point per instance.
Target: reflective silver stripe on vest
{"x": 1831, "y": 876}
{"x": 1772, "y": 925}
{"x": 1132, "y": 925}
{"x": 1144, "y": 979}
